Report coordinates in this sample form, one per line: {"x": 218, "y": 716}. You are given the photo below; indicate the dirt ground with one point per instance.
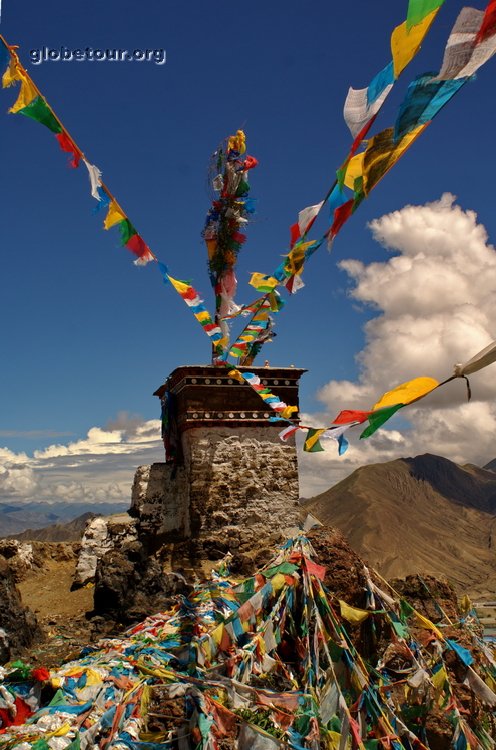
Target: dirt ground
{"x": 60, "y": 612}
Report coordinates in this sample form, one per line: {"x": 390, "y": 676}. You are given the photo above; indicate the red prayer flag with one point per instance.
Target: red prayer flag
{"x": 70, "y": 147}
{"x": 488, "y": 25}
{"x": 139, "y": 247}
{"x": 361, "y": 135}
{"x": 318, "y": 571}
{"x": 295, "y": 235}
{"x": 341, "y": 216}
{"x": 250, "y": 163}
{"x": 347, "y": 416}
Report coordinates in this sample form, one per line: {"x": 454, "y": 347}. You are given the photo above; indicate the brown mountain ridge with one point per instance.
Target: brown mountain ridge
{"x": 423, "y": 515}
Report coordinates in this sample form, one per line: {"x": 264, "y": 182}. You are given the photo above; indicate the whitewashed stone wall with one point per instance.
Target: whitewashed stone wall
{"x": 159, "y": 501}
{"x": 241, "y": 484}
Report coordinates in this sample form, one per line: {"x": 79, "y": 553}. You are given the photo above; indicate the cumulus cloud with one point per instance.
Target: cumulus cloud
{"x": 95, "y": 469}
{"x": 433, "y": 300}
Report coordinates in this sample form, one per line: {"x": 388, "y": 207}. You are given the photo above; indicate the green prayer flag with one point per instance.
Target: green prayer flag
{"x": 285, "y": 567}
{"x": 378, "y": 418}
{"x": 127, "y": 231}
{"x": 406, "y": 610}
{"x": 40, "y": 745}
{"x": 312, "y": 442}
{"x": 400, "y": 630}
{"x": 419, "y": 9}
{"x": 75, "y": 744}
{"x": 58, "y": 699}
{"x": 38, "y": 110}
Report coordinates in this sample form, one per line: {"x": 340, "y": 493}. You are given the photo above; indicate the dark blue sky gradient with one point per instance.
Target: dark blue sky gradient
{"x": 86, "y": 334}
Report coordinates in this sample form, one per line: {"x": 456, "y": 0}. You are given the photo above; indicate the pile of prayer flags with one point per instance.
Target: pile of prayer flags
{"x": 275, "y": 660}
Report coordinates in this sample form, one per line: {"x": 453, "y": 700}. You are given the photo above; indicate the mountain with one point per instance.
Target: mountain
{"x": 16, "y": 518}
{"x": 71, "y": 531}
{"x": 423, "y": 515}
{"x": 491, "y": 466}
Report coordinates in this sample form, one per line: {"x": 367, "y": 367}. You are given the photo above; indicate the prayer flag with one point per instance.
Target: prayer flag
{"x": 383, "y": 152}
{"x": 406, "y": 393}
{"x": 66, "y": 144}
{"x": 114, "y": 215}
{"x": 419, "y": 9}
{"x": 95, "y": 179}
{"x": 26, "y": 94}
{"x": 352, "y": 614}
{"x": 38, "y": 110}
{"x": 405, "y": 42}
{"x": 425, "y": 98}
{"x": 312, "y": 444}
{"x": 378, "y": 418}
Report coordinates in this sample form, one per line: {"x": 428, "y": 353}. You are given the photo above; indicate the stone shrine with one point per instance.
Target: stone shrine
{"x": 228, "y": 482}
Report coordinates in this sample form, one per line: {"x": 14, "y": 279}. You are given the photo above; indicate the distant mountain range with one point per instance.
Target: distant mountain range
{"x": 424, "y": 514}
{"x": 70, "y": 531}
{"x": 16, "y": 518}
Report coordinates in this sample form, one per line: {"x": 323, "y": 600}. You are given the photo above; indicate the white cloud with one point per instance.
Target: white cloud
{"x": 435, "y": 306}
{"x": 97, "y": 468}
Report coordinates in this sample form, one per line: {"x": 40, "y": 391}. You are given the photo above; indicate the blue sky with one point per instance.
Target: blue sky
{"x": 86, "y": 335}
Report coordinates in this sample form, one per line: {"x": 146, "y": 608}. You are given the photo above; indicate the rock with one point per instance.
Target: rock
{"x": 101, "y": 535}
{"x": 130, "y": 584}
{"x": 20, "y": 557}
{"x": 18, "y": 625}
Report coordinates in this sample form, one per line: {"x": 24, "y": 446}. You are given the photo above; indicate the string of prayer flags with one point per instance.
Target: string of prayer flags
{"x": 192, "y": 299}
{"x": 32, "y": 104}
{"x": 275, "y": 403}
{"x": 256, "y": 332}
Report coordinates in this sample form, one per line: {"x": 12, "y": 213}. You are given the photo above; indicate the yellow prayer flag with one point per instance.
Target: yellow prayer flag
{"x": 352, "y": 614}
{"x": 278, "y": 581}
{"x": 26, "y": 95}
{"x": 203, "y": 315}
{"x": 428, "y": 625}
{"x": 407, "y": 392}
{"x": 288, "y": 411}
{"x": 263, "y": 283}
{"x": 11, "y": 75}
{"x": 236, "y": 375}
{"x": 465, "y": 604}
{"x": 383, "y": 152}
{"x": 354, "y": 170}
{"x": 92, "y": 677}
{"x": 60, "y": 731}
{"x": 114, "y": 215}
{"x": 439, "y": 678}
{"x": 296, "y": 258}
{"x": 217, "y": 633}
{"x": 332, "y": 740}
{"x": 406, "y": 43}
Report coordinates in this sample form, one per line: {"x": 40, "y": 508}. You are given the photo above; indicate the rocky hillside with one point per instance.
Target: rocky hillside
{"x": 424, "y": 514}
